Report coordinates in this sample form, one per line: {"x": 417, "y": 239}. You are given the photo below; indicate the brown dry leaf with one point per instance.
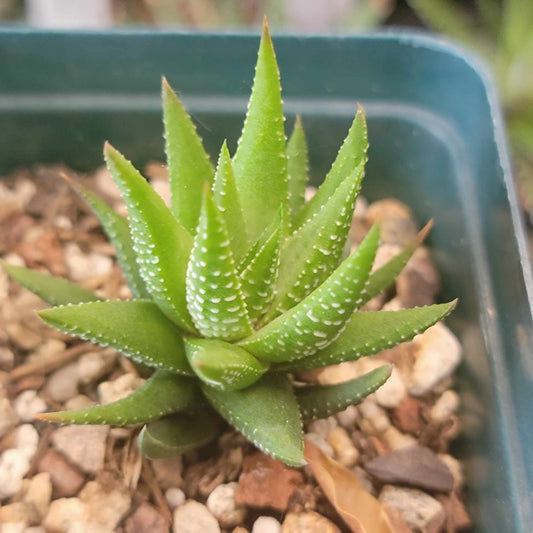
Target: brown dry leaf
{"x": 359, "y": 509}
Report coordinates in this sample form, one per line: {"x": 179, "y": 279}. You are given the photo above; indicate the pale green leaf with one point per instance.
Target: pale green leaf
{"x": 321, "y": 401}
{"x": 223, "y": 365}
{"x": 319, "y": 319}
{"x": 189, "y": 166}
{"x": 370, "y": 332}
{"x": 267, "y": 414}
{"x": 55, "y": 291}
{"x": 260, "y": 272}
{"x": 384, "y": 277}
{"x": 164, "y": 393}
{"x": 161, "y": 243}
{"x": 310, "y": 254}
{"x": 227, "y": 199}
{"x": 352, "y": 155}
{"x": 214, "y": 292}
{"x": 297, "y": 169}
{"x": 177, "y": 434}
{"x": 138, "y": 329}
{"x": 117, "y": 229}
{"x": 260, "y": 160}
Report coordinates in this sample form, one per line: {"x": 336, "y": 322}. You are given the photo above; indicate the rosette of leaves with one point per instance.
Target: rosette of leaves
{"x": 237, "y": 286}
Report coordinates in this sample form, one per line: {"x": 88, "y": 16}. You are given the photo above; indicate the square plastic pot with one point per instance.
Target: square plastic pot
{"x": 437, "y": 143}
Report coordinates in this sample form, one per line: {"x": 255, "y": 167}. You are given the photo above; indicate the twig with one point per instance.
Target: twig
{"x": 148, "y": 477}
{"x": 45, "y": 365}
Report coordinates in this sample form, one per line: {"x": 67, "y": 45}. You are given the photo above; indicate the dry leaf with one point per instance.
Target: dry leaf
{"x": 359, "y": 509}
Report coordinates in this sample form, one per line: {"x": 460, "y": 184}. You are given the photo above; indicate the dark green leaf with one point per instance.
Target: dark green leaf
{"x": 55, "y": 291}
{"x": 164, "y": 393}
{"x": 321, "y": 401}
{"x": 297, "y": 169}
{"x": 178, "y": 434}
{"x": 214, "y": 292}
{"x": 260, "y": 159}
{"x": 318, "y": 320}
{"x": 118, "y": 231}
{"x": 352, "y": 155}
{"x": 137, "y": 329}
{"x": 267, "y": 414}
{"x": 223, "y": 365}
{"x": 162, "y": 244}
{"x": 369, "y": 333}
{"x": 189, "y": 166}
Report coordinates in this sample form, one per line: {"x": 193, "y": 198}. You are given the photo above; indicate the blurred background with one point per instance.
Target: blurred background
{"x": 500, "y": 31}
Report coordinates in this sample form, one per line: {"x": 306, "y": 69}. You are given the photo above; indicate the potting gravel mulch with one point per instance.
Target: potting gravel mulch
{"x": 77, "y": 479}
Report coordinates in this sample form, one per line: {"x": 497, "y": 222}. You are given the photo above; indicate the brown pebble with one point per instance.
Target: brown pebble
{"x": 407, "y": 416}
{"x": 66, "y": 480}
{"x": 309, "y": 522}
{"x": 266, "y": 482}
{"x": 457, "y": 517}
{"x": 414, "y": 466}
{"x": 146, "y": 519}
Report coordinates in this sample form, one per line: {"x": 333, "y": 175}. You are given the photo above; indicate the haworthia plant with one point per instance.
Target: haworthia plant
{"x": 237, "y": 286}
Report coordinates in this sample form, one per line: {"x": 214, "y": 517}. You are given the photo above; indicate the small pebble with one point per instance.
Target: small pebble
{"x": 111, "y": 391}
{"x": 106, "y": 504}
{"x": 446, "y": 405}
{"x": 27, "y": 440}
{"x": 349, "y": 417}
{"x": 174, "y": 497}
{"x": 393, "y": 392}
{"x": 36, "y": 494}
{"x": 8, "y": 418}
{"x": 438, "y": 353}
{"x": 82, "y": 266}
{"x": 418, "y": 509}
{"x": 193, "y": 517}
{"x": 63, "y": 513}
{"x": 14, "y": 465}
{"x": 374, "y": 418}
{"x": 27, "y": 404}
{"x": 94, "y": 365}
{"x": 347, "y": 454}
{"x": 266, "y": 524}
{"x": 308, "y": 522}
{"x": 146, "y": 519}
{"x": 84, "y": 446}
{"x": 66, "y": 480}
{"x": 397, "y": 440}
{"x": 62, "y": 384}
{"x": 168, "y": 472}
{"x": 321, "y": 442}
{"x": 221, "y": 502}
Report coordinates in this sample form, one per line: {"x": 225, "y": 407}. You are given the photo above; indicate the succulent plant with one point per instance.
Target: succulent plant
{"x": 237, "y": 286}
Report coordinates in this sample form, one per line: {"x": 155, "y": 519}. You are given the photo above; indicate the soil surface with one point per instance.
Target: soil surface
{"x": 77, "y": 479}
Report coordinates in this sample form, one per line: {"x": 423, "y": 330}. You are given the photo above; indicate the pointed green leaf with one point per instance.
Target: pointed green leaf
{"x": 223, "y": 365}
{"x": 117, "y": 229}
{"x": 370, "y": 332}
{"x": 214, "y": 292}
{"x": 259, "y": 274}
{"x": 189, "y": 166}
{"x": 137, "y": 329}
{"x": 310, "y": 254}
{"x": 384, "y": 277}
{"x": 297, "y": 169}
{"x": 319, "y": 319}
{"x": 321, "y": 401}
{"x": 227, "y": 199}
{"x": 351, "y": 155}
{"x": 177, "y": 434}
{"x": 260, "y": 159}
{"x": 267, "y": 414}
{"x": 55, "y": 291}
{"x": 161, "y": 243}
{"x": 164, "y": 393}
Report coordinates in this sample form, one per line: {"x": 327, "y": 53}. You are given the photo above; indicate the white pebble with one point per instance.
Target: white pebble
{"x": 27, "y": 440}
{"x": 193, "y": 517}
{"x": 266, "y": 524}
{"x": 393, "y": 392}
{"x": 221, "y": 502}
{"x": 446, "y": 404}
{"x": 27, "y": 404}
{"x": 14, "y": 465}
{"x": 174, "y": 497}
